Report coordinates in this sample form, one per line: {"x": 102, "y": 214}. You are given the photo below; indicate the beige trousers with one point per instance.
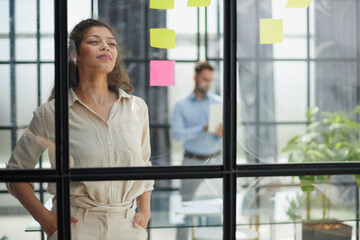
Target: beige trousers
{"x": 104, "y": 224}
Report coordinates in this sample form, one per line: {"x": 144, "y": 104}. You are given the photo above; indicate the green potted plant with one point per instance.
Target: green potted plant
{"x": 333, "y": 137}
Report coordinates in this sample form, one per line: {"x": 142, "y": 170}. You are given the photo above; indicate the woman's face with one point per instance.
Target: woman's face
{"x": 97, "y": 51}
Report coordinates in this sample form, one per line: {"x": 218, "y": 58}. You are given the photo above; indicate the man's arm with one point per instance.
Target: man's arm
{"x": 180, "y": 132}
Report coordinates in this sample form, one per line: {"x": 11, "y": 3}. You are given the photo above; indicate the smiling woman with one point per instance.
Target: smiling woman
{"x": 118, "y": 77}
{"x": 108, "y": 127}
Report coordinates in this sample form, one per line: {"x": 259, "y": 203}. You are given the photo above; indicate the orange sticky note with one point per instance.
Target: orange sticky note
{"x": 198, "y": 3}
{"x": 161, "y": 4}
{"x": 271, "y": 31}
{"x": 298, "y": 3}
{"x": 162, "y": 73}
{"x": 162, "y": 38}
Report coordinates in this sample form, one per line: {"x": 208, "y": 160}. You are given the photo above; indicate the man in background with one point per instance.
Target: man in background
{"x": 190, "y": 125}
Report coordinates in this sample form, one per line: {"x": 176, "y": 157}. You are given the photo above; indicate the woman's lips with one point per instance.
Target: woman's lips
{"x": 104, "y": 57}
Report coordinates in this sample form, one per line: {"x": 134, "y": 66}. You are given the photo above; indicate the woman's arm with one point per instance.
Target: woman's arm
{"x": 25, "y": 194}
{"x": 143, "y": 216}
{"x": 47, "y": 219}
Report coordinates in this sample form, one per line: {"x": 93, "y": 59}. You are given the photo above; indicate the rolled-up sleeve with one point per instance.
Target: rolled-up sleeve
{"x": 29, "y": 147}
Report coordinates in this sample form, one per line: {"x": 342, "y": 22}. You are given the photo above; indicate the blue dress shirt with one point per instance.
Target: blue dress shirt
{"x": 189, "y": 116}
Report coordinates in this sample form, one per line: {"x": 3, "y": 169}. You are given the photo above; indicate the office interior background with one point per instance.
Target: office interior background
{"x": 281, "y": 185}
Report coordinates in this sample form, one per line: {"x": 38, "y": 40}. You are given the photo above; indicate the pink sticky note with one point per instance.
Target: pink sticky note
{"x": 162, "y": 73}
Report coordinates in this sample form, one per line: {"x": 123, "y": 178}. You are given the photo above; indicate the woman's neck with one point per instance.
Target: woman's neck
{"x": 94, "y": 90}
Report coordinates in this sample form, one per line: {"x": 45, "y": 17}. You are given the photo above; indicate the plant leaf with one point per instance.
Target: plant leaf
{"x": 311, "y": 113}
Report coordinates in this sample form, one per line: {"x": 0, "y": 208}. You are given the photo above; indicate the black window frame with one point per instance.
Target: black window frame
{"x": 229, "y": 171}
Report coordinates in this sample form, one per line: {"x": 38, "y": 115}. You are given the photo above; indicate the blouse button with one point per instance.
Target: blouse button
{"x": 109, "y": 143}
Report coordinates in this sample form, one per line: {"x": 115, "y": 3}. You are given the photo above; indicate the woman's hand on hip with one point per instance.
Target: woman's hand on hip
{"x": 50, "y": 224}
{"x": 141, "y": 219}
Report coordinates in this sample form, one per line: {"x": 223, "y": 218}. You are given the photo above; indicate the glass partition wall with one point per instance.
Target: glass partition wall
{"x": 289, "y": 146}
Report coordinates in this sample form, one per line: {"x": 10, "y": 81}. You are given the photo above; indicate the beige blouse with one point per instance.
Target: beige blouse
{"x": 122, "y": 141}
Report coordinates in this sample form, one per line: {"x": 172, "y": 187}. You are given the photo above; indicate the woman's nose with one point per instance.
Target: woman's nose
{"x": 105, "y": 47}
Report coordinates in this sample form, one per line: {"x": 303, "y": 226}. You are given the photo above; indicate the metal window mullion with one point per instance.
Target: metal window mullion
{"x": 147, "y": 67}
{"x": 92, "y": 8}
{"x": 206, "y": 34}
{"x": 38, "y": 69}
{"x": 308, "y": 57}
{"x": 61, "y": 121}
{"x": 358, "y": 102}
{"x": 147, "y": 55}
{"x": 12, "y": 74}
{"x": 257, "y": 86}
{"x": 198, "y": 34}
{"x": 229, "y": 141}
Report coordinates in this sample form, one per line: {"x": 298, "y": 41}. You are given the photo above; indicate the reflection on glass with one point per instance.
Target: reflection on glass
{"x": 334, "y": 29}
{"x": 294, "y": 44}
{"x": 137, "y": 75}
{"x": 336, "y": 85}
{"x": 284, "y": 134}
{"x": 128, "y": 18}
{"x": 290, "y": 87}
{"x": 256, "y": 136}
{"x": 295, "y": 207}
{"x": 330, "y": 137}
{"x": 276, "y": 93}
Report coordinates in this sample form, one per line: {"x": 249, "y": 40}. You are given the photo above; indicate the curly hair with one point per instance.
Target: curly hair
{"x": 117, "y": 78}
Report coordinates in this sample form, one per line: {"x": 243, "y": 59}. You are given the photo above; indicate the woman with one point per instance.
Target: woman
{"x": 108, "y": 128}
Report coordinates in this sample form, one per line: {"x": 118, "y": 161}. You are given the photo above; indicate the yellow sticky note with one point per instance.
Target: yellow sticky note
{"x": 271, "y": 31}
{"x": 161, "y": 4}
{"x": 198, "y": 3}
{"x": 162, "y": 38}
{"x": 298, "y": 3}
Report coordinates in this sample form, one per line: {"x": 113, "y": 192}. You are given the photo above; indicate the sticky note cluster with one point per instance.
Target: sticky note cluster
{"x": 271, "y": 30}
{"x": 162, "y": 72}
